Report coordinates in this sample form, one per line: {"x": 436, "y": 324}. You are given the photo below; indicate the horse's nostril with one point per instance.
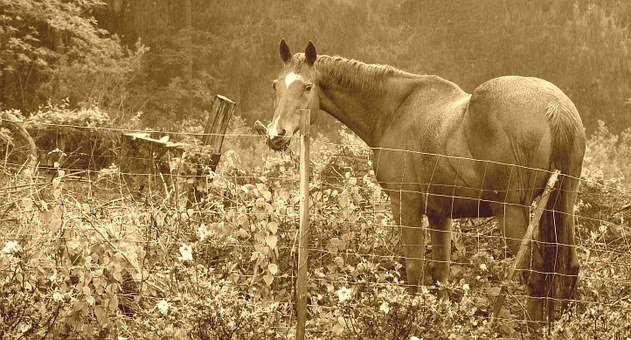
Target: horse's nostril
{"x": 281, "y": 132}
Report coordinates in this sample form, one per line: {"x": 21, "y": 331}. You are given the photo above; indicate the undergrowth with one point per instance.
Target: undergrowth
{"x": 88, "y": 259}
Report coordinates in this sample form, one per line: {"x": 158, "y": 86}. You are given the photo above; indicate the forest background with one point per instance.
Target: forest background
{"x": 167, "y": 59}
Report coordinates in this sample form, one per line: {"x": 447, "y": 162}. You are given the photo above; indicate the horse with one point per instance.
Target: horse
{"x": 445, "y": 154}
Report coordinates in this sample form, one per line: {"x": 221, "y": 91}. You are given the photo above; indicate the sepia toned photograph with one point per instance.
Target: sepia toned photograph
{"x": 323, "y": 169}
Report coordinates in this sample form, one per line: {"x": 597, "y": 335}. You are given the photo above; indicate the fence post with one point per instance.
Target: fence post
{"x": 303, "y": 231}
{"x": 214, "y": 131}
{"x": 217, "y": 123}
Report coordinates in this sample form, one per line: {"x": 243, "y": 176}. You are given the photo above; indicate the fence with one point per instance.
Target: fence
{"x": 101, "y": 256}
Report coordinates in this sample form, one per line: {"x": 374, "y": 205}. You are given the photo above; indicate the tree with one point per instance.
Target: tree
{"x": 582, "y": 46}
{"x": 37, "y": 37}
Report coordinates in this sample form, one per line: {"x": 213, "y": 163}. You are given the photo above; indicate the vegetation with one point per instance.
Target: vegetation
{"x": 90, "y": 257}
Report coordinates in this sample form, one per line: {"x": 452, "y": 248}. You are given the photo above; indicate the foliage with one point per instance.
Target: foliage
{"x": 476, "y": 41}
{"x": 47, "y": 48}
{"x": 159, "y": 58}
{"x": 608, "y": 155}
{"x": 87, "y": 259}
{"x": 70, "y": 138}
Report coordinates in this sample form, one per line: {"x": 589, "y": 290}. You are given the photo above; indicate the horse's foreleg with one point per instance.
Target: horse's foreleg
{"x": 440, "y": 229}
{"x": 406, "y": 213}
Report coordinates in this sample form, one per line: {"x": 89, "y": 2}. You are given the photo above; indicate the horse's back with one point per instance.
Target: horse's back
{"x": 525, "y": 117}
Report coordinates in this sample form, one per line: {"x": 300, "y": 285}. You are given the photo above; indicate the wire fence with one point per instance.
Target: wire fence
{"x": 220, "y": 247}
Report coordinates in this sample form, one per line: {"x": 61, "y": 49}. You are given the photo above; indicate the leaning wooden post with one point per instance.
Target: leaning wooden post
{"x": 214, "y": 131}
{"x": 530, "y": 232}
{"x": 303, "y": 231}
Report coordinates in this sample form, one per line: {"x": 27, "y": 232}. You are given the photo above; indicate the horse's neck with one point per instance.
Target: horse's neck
{"x": 369, "y": 101}
{"x": 364, "y": 113}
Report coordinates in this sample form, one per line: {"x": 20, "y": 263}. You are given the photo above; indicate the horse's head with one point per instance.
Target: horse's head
{"x": 295, "y": 90}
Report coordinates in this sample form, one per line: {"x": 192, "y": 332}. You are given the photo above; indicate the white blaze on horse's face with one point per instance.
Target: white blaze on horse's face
{"x": 274, "y": 129}
{"x": 290, "y": 78}
{"x": 294, "y": 93}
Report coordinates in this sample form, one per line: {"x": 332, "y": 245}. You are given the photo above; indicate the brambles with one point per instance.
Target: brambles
{"x": 109, "y": 265}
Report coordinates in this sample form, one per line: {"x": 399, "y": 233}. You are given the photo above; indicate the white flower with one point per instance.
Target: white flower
{"x": 202, "y": 232}
{"x": 343, "y": 294}
{"x": 186, "y": 252}
{"x": 163, "y": 306}
{"x": 483, "y": 267}
{"x": 414, "y": 338}
{"x": 11, "y": 247}
{"x": 58, "y": 297}
{"x": 465, "y": 287}
{"x": 385, "y": 307}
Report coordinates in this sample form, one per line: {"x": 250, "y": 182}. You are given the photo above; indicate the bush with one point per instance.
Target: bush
{"x": 109, "y": 264}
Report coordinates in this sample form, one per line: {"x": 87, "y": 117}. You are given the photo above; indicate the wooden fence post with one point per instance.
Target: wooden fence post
{"x": 303, "y": 232}
{"x": 525, "y": 241}
{"x": 217, "y": 123}
{"x": 214, "y": 131}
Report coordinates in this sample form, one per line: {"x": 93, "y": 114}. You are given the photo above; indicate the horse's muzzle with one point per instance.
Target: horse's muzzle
{"x": 278, "y": 143}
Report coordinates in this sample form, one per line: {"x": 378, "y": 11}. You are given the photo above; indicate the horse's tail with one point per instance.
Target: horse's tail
{"x": 557, "y": 228}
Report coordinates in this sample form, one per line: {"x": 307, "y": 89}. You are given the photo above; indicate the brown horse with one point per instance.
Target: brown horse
{"x": 445, "y": 154}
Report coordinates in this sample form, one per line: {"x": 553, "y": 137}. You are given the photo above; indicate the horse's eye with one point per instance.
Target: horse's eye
{"x": 308, "y": 87}
{"x": 274, "y": 84}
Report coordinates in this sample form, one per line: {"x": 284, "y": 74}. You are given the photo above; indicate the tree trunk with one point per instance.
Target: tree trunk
{"x": 189, "y": 55}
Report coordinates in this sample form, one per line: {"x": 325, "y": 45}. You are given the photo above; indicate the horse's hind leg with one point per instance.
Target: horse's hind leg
{"x": 406, "y": 213}
{"x": 440, "y": 229}
{"x": 513, "y": 223}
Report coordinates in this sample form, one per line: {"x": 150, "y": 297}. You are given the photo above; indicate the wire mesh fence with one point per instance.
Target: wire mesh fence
{"x": 162, "y": 249}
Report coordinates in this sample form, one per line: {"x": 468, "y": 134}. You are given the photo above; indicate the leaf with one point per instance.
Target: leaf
{"x": 136, "y": 275}
{"x": 113, "y": 304}
{"x": 267, "y": 195}
{"x": 268, "y": 278}
{"x": 117, "y": 276}
{"x": 99, "y": 312}
{"x": 242, "y": 233}
{"x": 493, "y": 291}
{"x": 273, "y": 268}
{"x": 271, "y": 241}
{"x": 90, "y": 300}
{"x": 273, "y": 227}
{"x": 242, "y": 220}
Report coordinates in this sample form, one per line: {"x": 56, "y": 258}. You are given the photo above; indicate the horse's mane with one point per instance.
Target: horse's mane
{"x": 351, "y": 73}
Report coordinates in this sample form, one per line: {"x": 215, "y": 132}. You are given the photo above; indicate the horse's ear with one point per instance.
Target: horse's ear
{"x": 310, "y": 53}
{"x": 285, "y": 55}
